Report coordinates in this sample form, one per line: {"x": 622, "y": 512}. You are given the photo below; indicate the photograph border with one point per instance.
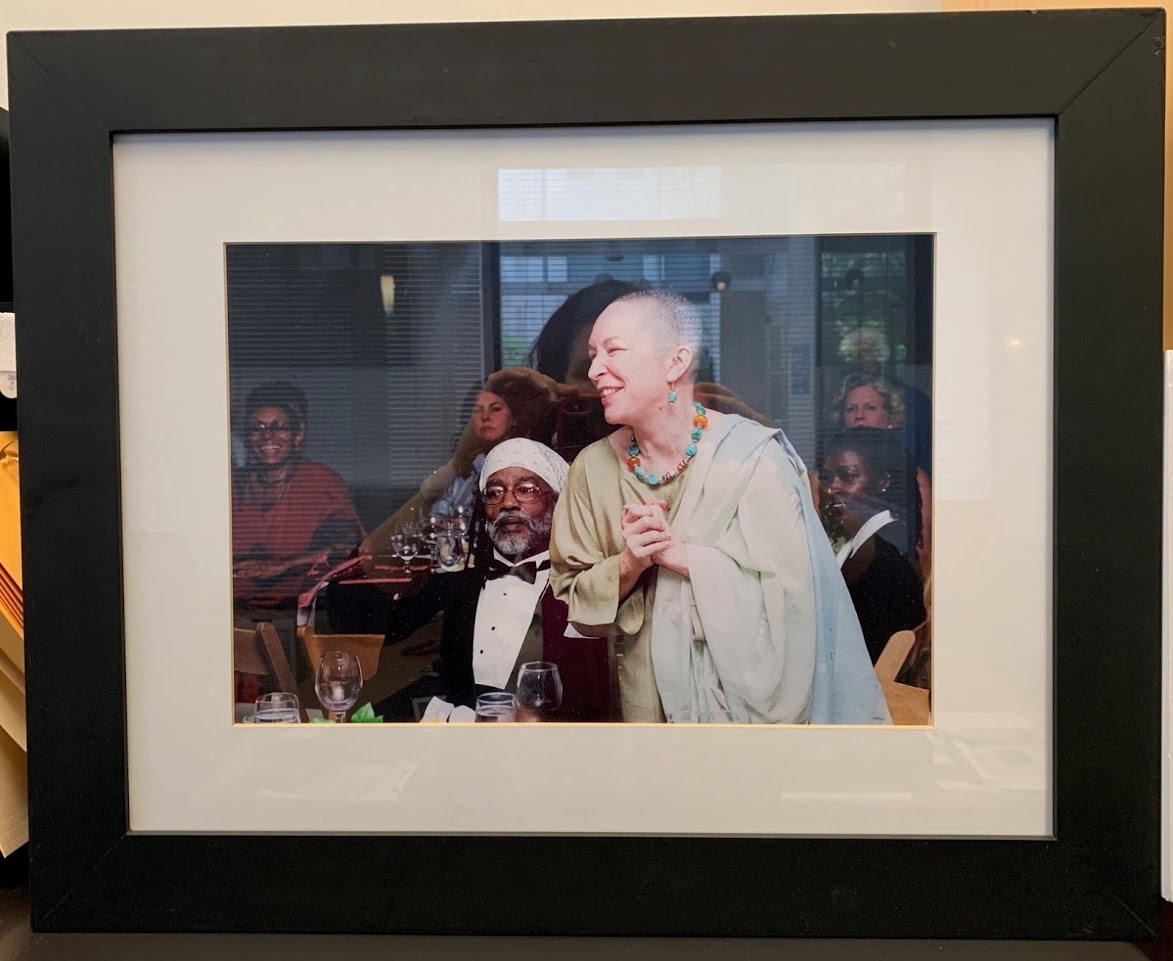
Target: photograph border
{"x": 1097, "y": 74}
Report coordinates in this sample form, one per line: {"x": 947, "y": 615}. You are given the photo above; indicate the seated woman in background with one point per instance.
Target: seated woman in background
{"x": 555, "y": 400}
{"x": 510, "y": 405}
{"x": 289, "y": 514}
{"x": 491, "y": 422}
{"x": 868, "y": 399}
{"x": 869, "y": 505}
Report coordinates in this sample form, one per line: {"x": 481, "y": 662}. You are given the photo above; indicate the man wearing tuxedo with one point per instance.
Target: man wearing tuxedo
{"x": 499, "y": 612}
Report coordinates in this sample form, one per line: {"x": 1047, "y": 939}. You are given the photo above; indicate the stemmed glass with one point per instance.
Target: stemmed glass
{"x": 338, "y": 682}
{"x": 449, "y": 550}
{"x": 277, "y": 708}
{"x": 539, "y": 690}
{"x": 413, "y": 523}
{"x": 406, "y": 547}
{"x": 496, "y": 707}
{"x": 462, "y": 520}
{"x": 437, "y": 524}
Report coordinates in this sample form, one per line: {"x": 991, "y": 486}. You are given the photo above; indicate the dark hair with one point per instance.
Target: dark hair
{"x": 283, "y": 394}
{"x": 886, "y": 455}
{"x": 550, "y": 353}
{"x": 480, "y": 545}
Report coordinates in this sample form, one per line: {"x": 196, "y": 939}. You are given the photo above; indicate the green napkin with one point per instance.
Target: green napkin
{"x": 364, "y": 715}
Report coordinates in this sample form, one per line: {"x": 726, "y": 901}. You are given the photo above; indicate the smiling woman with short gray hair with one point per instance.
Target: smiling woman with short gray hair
{"x": 692, "y": 536}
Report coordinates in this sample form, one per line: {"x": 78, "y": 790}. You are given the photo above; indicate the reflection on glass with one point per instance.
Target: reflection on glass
{"x": 338, "y": 682}
{"x": 496, "y": 708}
{"x": 277, "y": 708}
{"x": 539, "y": 690}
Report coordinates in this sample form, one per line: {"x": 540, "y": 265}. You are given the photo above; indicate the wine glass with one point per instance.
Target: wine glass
{"x": 437, "y": 523}
{"x": 413, "y": 522}
{"x": 539, "y": 690}
{"x": 449, "y": 551}
{"x": 338, "y": 682}
{"x": 462, "y": 520}
{"x": 423, "y": 550}
{"x": 406, "y": 547}
{"x": 496, "y": 707}
{"x": 277, "y": 708}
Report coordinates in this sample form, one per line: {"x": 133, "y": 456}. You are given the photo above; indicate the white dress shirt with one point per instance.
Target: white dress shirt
{"x": 505, "y": 614}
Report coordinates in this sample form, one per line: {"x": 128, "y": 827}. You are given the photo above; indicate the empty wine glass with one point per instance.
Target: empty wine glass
{"x": 338, "y": 682}
{"x": 437, "y": 524}
{"x": 423, "y": 550}
{"x": 449, "y": 551}
{"x": 539, "y": 690}
{"x": 496, "y": 707}
{"x": 406, "y": 547}
{"x": 462, "y": 520}
{"x": 277, "y": 708}
{"x": 413, "y": 522}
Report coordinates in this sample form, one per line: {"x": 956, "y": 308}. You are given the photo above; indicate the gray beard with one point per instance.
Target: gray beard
{"x": 518, "y": 543}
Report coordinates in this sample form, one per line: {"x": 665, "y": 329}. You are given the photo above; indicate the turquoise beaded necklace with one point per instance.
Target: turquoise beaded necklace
{"x": 700, "y": 421}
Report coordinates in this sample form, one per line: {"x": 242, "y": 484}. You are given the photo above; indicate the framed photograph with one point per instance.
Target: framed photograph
{"x": 833, "y": 329}
{"x": 736, "y": 406}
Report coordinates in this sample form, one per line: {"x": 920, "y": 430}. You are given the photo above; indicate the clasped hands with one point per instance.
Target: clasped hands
{"x": 649, "y": 539}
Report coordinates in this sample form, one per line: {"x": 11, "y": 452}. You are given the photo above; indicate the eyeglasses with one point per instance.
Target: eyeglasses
{"x": 277, "y": 427}
{"x": 523, "y": 493}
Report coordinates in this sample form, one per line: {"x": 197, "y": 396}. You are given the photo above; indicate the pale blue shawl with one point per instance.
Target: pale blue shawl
{"x": 733, "y": 641}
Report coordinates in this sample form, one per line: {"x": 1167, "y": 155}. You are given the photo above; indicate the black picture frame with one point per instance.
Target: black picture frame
{"x": 1096, "y": 74}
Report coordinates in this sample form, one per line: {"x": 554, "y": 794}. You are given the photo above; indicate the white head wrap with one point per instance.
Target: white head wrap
{"x": 529, "y": 455}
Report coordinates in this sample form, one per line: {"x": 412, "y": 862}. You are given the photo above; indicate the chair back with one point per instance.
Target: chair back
{"x": 258, "y": 650}
{"x": 907, "y": 703}
{"x": 894, "y": 654}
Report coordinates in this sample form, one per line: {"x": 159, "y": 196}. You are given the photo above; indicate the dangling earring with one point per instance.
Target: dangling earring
{"x": 671, "y": 395}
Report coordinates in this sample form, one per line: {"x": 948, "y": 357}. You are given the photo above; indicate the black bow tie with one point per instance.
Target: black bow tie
{"x": 526, "y": 570}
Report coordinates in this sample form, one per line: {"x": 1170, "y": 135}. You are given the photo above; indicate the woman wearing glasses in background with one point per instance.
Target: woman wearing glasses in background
{"x": 289, "y": 514}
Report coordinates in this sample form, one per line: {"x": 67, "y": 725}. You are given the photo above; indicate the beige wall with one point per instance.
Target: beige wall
{"x": 1086, "y": 4}
{"x": 125, "y": 14}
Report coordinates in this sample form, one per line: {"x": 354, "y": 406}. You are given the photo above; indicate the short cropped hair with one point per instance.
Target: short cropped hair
{"x": 678, "y": 318}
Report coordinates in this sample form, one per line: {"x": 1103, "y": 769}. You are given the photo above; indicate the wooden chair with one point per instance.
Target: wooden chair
{"x": 258, "y": 650}
{"x": 894, "y": 654}
{"x": 906, "y": 704}
{"x": 367, "y": 647}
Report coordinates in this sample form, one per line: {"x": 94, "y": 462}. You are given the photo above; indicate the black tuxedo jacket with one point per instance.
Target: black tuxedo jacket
{"x": 582, "y": 662}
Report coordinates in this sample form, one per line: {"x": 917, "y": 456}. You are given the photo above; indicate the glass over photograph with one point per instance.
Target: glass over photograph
{"x": 646, "y": 481}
